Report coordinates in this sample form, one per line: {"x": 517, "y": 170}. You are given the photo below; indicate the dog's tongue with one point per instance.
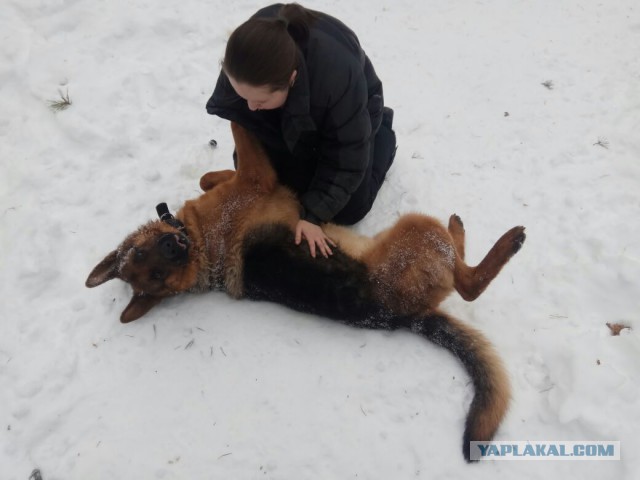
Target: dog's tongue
{"x": 182, "y": 242}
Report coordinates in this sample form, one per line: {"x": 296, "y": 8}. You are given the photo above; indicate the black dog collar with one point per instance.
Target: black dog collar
{"x": 168, "y": 218}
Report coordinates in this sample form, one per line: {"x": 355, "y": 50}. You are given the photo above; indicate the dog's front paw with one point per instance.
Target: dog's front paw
{"x": 210, "y": 179}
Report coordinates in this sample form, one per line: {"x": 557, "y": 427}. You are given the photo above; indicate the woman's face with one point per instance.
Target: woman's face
{"x": 261, "y": 98}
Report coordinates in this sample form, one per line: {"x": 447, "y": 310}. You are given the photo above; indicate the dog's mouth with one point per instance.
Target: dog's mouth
{"x": 174, "y": 247}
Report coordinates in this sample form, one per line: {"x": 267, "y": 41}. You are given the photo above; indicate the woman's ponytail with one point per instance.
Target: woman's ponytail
{"x": 298, "y": 20}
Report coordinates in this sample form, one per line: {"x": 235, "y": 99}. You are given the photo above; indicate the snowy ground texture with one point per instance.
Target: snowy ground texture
{"x": 206, "y": 387}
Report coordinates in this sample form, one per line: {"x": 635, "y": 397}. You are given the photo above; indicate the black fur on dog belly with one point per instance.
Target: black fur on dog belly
{"x": 338, "y": 287}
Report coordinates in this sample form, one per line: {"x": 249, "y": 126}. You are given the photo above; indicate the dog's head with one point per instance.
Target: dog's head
{"x": 154, "y": 260}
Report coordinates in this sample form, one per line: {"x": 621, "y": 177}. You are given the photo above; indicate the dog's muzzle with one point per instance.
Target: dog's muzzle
{"x": 174, "y": 246}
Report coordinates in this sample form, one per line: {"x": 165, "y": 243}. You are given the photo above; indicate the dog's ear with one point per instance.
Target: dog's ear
{"x": 106, "y": 270}
{"x": 138, "y": 306}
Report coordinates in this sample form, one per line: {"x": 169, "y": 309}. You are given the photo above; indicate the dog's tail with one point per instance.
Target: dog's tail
{"x": 489, "y": 377}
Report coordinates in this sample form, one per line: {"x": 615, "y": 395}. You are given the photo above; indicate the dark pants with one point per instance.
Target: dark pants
{"x": 382, "y": 153}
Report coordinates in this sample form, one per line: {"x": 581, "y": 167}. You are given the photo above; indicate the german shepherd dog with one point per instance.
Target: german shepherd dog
{"x": 239, "y": 237}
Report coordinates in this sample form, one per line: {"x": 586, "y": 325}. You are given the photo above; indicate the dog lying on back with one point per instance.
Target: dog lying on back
{"x": 239, "y": 237}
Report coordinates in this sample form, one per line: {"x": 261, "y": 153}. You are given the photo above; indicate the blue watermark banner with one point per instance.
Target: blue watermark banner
{"x": 545, "y": 450}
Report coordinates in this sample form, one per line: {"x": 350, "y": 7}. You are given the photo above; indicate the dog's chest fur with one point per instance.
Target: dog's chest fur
{"x": 219, "y": 249}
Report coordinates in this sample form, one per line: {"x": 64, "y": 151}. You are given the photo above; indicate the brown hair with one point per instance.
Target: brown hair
{"x": 264, "y": 51}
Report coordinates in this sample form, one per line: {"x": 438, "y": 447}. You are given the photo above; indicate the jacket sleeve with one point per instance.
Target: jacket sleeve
{"x": 343, "y": 148}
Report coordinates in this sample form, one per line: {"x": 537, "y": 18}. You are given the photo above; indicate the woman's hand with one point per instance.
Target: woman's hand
{"x": 315, "y": 236}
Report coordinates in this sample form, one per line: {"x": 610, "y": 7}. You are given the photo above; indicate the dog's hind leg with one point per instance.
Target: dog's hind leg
{"x": 456, "y": 230}
{"x": 470, "y": 282}
{"x": 210, "y": 179}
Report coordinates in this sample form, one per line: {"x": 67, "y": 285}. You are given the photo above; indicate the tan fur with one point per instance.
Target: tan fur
{"x": 413, "y": 263}
{"x": 348, "y": 241}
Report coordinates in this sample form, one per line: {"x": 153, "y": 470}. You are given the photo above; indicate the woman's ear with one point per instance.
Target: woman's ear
{"x": 292, "y": 80}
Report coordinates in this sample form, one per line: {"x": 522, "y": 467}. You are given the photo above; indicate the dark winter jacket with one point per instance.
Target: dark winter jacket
{"x": 319, "y": 140}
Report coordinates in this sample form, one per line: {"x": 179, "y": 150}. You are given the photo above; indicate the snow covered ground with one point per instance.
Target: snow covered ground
{"x": 206, "y": 387}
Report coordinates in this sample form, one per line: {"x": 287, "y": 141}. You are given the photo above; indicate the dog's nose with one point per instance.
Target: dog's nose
{"x": 172, "y": 246}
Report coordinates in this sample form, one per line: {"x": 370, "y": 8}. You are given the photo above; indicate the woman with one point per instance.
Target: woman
{"x": 299, "y": 80}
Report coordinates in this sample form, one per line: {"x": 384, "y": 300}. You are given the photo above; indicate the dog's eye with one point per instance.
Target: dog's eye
{"x": 139, "y": 255}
